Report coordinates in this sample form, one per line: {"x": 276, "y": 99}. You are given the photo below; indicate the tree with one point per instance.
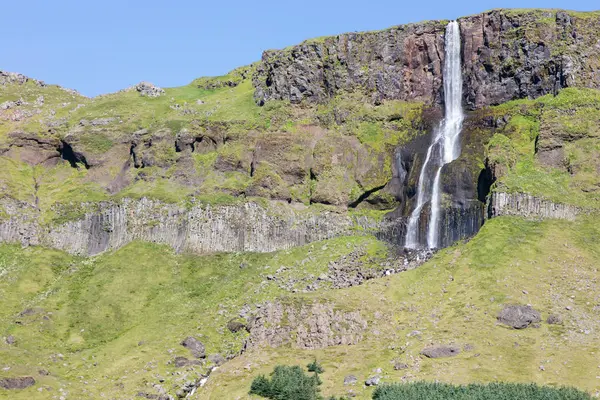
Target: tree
{"x": 287, "y": 383}
{"x": 315, "y": 367}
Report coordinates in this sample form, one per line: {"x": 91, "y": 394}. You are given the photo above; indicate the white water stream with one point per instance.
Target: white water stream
{"x": 444, "y": 148}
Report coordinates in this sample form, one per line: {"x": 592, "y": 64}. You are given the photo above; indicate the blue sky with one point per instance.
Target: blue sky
{"x": 103, "y": 46}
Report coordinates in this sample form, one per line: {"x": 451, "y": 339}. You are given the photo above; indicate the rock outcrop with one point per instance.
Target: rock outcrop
{"x": 525, "y": 205}
{"x": 507, "y": 55}
{"x": 305, "y": 326}
{"x": 440, "y": 351}
{"x": 403, "y": 62}
{"x": 199, "y": 228}
{"x": 149, "y": 89}
{"x": 519, "y": 317}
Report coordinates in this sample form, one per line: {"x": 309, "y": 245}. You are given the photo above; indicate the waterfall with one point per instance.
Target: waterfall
{"x": 444, "y": 148}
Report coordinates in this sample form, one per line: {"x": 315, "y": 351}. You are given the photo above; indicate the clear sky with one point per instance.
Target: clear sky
{"x": 100, "y": 46}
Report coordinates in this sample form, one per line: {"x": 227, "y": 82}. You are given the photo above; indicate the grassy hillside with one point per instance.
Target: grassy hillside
{"x": 112, "y": 324}
{"x": 454, "y": 299}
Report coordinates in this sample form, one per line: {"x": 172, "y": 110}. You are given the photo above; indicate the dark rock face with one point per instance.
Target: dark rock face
{"x": 440, "y": 351}
{"x": 519, "y": 317}
{"x": 194, "y": 346}
{"x": 506, "y": 55}
{"x": 17, "y": 383}
{"x": 403, "y": 62}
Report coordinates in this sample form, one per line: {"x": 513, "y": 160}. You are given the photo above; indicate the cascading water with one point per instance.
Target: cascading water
{"x": 444, "y": 148}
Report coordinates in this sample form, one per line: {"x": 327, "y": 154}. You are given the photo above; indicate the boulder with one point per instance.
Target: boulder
{"x": 373, "y": 381}
{"x": 350, "y": 380}
{"x": 519, "y": 316}
{"x": 440, "y": 351}
{"x": 235, "y": 325}
{"x": 554, "y": 319}
{"x": 22, "y": 382}
{"x": 184, "y": 362}
{"x": 194, "y": 346}
{"x": 148, "y": 89}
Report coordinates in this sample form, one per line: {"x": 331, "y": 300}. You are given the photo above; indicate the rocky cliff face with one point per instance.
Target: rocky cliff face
{"x": 198, "y": 228}
{"x": 403, "y": 62}
{"x": 524, "y": 205}
{"x": 506, "y": 55}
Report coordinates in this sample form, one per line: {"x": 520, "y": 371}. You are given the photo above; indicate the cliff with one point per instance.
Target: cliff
{"x": 507, "y": 54}
{"x": 345, "y": 124}
{"x": 197, "y": 228}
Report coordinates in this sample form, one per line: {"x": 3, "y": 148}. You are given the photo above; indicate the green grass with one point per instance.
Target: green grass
{"x": 119, "y": 317}
{"x": 570, "y": 118}
{"x": 454, "y": 299}
{"x": 98, "y": 310}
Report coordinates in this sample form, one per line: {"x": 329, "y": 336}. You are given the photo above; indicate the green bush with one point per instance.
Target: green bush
{"x": 492, "y": 391}
{"x": 315, "y": 367}
{"x": 287, "y": 383}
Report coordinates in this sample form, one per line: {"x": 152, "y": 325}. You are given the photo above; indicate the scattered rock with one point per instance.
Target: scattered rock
{"x": 194, "y": 346}
{"x": 7, "y": 78}
{"x": 518, "y": 316}
{"x": 17, "y": 383}
{"x": 440, "y": 351}
{"x": 400, "y": 365}
{"x": 10, "y": 340}
{"x": 554, "y": 319}
{"x": 350, "y": 380}
{"x": 373, "y": 381}
{"x": 148, "y": 89}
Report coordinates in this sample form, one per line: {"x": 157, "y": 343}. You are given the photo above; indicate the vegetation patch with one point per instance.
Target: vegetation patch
{"x": 492, "y": 391}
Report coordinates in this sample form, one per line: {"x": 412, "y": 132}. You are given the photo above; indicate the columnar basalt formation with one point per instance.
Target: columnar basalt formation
{"x": 199, "y": 228}
{"x": 524, "y": 205}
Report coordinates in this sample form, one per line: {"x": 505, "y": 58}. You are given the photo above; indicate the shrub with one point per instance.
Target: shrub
{"x": 492, "y": 391}
{"x": 315, "y": 367}
{"x": 287, "y": 383}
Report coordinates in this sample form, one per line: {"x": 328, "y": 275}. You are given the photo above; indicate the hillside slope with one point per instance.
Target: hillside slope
{"x": 263, "y": 214}
{"x": 113, "y": 324}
